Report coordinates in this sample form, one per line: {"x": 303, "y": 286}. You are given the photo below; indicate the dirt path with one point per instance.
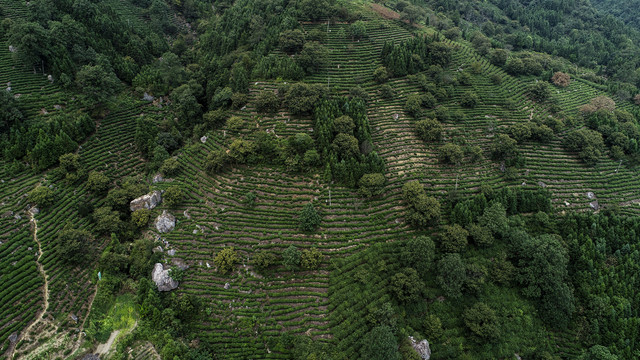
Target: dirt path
{"x": 26, "y": 335}
{"x": 103, "y": 349}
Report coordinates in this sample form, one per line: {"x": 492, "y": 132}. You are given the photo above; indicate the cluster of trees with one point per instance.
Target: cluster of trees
{"x": 415, "y": 55}
{"x": 617, "y": 129}
{"x": 343, "y": 137}
{"x": 42, "y": 142}
{"x": 292, "y": 258}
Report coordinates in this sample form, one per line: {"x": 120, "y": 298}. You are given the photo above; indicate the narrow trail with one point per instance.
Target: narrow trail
{"x": 25, "y": 335}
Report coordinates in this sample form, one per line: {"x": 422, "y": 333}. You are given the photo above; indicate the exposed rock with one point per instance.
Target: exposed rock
{"x": 12, "y": 49}
{"x": 594, "y": 205}
{"x": 517, "y": 356}
{"x": 421, "y": 347}
{"x": 34, "y": 211}
{"x": 540, "y": 183}
{"x": 57, "y": 107}
{"x": 171, "y": 252}
{"x": 50, "y": 78}
{"x": 227, "y": 286}
{"x": 566, "y": 203}
{"x": 161, "y": 277}
{"x": 7, "y": 214}
{"x": 17, "y": 217}
{"x": 208, "y": 266}
{"x": 13, "y": 337}
{"x": 9, "y": 89}
{"x": 591, "y": 195}
{"x": 147, "y": 97}
{"x": 158, "y": 178}
{"x": 157, "y": 249}
{"x": 73, "y": 317}
{"x": 165, "y": 222}
{"x": 203, "y": 139}
{"x": 91, "y": 357}
{"x": 179, "y": 263}
{"x": 148, "y": 201}
{"x": 186, "y": 214}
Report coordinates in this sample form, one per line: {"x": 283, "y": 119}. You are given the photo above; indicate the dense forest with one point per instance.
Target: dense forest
{"x": 319, "y": 179}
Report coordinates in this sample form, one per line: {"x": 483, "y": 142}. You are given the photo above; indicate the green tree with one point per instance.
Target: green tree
{"x": 419, "y": 253}
{"x": 482, "y": 321}
{"x": 313, "y": 57}
{"x": 406, "y": 285}
{"x": 451, "y": 275}
{"x": 346, "y": 145}
{"x": 107, "y": 220}
{"x": 291, "y": 258}
{"x": 469, "y": 99}
{"x": 344, "y": 125}
{"x": 309, "y": 218}
{"x": 423, "y": 209}
{"x": 98, "y": 182}
{"x": 598, "y": 352}
{"x": 98, "y": 84}
{"x": 302, "y": 98}
{"x": 539, "y": 91}
{"x": 503, "y": 147}
{"x": 291, "y": 41}
{"x": 429, "y": 129}
{"x": 186, "y": 104}
{"x": 480, "y": 234}
{"x": 451, "y": 154}
{"x": 358, "y": 30}
{"x": 235, "y": 124}
{"x": 311, "y": 258}
{"x": 173, "y": 196}
{"x": 42, "y": 196}
{"x": 73, "y": 245}
{"x": 170, "y": 167}
{"x": 267, "y": 102}
{"x": 380, "y": 344}
{"x": 453, "y": 238}
{"x": 494, "y": 218}
{"x": 413, "y": 105}
{"x": 371, "y": 184}
{"x": 226, "y": 259}
{"x": 381, "y": 74}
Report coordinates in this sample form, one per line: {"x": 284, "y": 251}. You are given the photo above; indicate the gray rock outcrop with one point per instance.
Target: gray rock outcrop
{"x": 165, "y": 222}
{"x": 161, "y": 277}
{"x": 421, "y": 347}
{"x": 148, "y": 201}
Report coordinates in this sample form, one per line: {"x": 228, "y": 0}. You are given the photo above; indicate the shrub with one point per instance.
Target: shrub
{"x": 344, "y": 125}
{"x": 469, "y": 99}
{"x": 381, "y": 74}
{"x": 561, "y": 79}
{"x": 235, "y": 123}
{"x": 311, "y": 259}
{"x": 413, "y": 105}
{"x": 73, "y": 245}
{"x": 387, "y": 91}
{"x": 140, "y": 218}
{"x": 423, "y": 209}
{"x": 406, "y": 285}
{"x": 226, "y": 259}
{"x": 482, "y": 321}
{"x": 371, "y": 184}
{"x": 264, "y": 259}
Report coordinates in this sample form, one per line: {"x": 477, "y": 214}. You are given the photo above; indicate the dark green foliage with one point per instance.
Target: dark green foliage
{"x": 291, "y": 258}
{"x": 419, "y": 254}
{"x": 381, "y": 74}
{"x": 313, "y": 57}
{"x": 371, "y": 184}
{"x": 309, "y": 218}
{"x": 73, "y": 245}
{"x": 406, "y": 285}
{"x": 587, "y": 143}
{"x": 480, "y": 235}
{"x": 97, "y": 83}
{"x": 10, "y": 114}
{"x": 482, "y": 322}
{"x": 291, "y": 41}
{"x": 415, "y": 55}
{"x": 226, "y": 259}
{"x": 301, "y": 98}
{"x": 451, "y": 275}
{"x": 107, "y": 220}
{"x": 98, "y": 182}
{"x": 42, "y": 196}
{"x": 413, "y": 106}
{"x": 173, "y": 196}
{"x": 469, "y": 99}
{"x": 540, "y": 91}
{"x": 429, "y": 130}
{"x": 453, "y": 238}
{"x": 423, "y": 210}
{"x": 503, "y": 147}
{"x": 451, "y": 154}
{"x": 380, "y": 344}
{"x": 264, "y": 259}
